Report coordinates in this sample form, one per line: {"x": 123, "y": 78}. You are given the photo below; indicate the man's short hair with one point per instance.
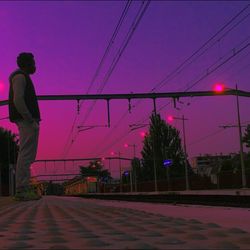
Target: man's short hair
{"x": 24, "y": 59}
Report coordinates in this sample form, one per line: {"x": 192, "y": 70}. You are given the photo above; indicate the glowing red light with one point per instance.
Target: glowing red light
{"x": 1, "y": 87}
{"x": 91, "y": 179}
{"x": 170, "y": 118}
{"x": 219, "y": 87}
{"x": 142, "y": 134}
{"x": 126, "y": 145}
{"x": 112, "y": 153}
{"x": 103, "y": 158}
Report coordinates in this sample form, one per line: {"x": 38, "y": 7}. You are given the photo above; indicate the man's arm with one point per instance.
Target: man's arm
{"x": 19, "y": 84}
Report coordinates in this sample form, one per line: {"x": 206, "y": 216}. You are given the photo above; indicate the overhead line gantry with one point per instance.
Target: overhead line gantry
{"x": 154, "y": 96}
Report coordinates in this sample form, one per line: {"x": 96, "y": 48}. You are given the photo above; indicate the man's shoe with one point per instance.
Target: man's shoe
{"x": 26, "y": 195}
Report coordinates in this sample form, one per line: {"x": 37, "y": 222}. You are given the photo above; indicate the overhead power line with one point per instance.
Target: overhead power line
{"x": 119, "y": 53}
{"x": 130, "y": 33}
{"x": 107, "y": 50}
{"x": 116, "y": 59}
{"x": 111, "y": 42}
{"x": 180, "y": 67}
{"x": 206, "y": 137}
{"x": 234, "y": 53}
{"x": 211, "y": 135}
{"x": 195, "y": 53}
{"x": 214, "y": 67}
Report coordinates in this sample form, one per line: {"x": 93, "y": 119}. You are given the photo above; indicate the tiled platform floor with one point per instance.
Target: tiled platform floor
{"x": 6, "y": 201}
{"x": 76, "y": 223}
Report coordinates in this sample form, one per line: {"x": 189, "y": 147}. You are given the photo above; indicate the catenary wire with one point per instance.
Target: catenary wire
{"x": 131, "y": 31}
{"x": 107, "y": 50}
{"x": 119, "y": 53}
{"x": 178, "y": 69}
{"x": 195, "y": 83}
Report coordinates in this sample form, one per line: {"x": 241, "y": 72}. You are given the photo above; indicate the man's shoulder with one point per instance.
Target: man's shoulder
{"x": 17, "y": 74}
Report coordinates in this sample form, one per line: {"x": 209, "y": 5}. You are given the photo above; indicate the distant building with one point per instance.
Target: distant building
{"x": 81, "y": 185}
{"x": 209, "y": 165}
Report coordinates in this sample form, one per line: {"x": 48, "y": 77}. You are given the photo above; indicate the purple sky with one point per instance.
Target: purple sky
{"x": 68, "y": 40}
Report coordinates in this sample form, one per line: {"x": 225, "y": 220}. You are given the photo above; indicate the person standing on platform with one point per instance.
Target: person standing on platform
{"x": 24, "y": 112}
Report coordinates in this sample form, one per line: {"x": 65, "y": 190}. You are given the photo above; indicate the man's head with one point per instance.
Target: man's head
{"x": 26, "y": 62}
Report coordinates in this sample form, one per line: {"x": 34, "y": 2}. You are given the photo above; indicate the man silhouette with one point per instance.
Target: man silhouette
{"x": 24, "y": 111}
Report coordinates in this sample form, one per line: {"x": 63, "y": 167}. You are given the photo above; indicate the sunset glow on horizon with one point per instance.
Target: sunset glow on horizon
{"x": 2, "y": 87}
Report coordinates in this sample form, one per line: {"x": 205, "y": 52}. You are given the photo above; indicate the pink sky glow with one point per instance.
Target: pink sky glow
{"x": 68, "y": 40}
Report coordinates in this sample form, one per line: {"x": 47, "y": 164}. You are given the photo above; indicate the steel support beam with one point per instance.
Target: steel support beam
{"x": 136, "y": 96}
{"x": 83, "y": 159}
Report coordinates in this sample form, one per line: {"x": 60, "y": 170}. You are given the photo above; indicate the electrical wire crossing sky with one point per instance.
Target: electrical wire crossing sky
{"x": 111, "y": 47}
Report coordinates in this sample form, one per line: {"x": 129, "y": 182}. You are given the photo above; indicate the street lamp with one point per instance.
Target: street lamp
{"x": 132, "y": 172}
{"x": 130, "y": 145}
{"x": 143, "y": 134}
{"x": 120, "y": 167}
{"x": 219, "y": 88}
{"x": 183, "y": 119}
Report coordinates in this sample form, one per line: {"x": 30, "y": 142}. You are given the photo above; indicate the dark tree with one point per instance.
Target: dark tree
{"x": 8, "y": 148}
{"x": 95, "y": 168}
{"x": 136, "y": 168}
{"x": 246, "y": 137}
{"x": 162, "y": 142}
{"x": 8, "y": 155}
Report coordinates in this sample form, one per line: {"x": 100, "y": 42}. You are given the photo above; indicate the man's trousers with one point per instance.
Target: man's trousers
{"x": 28, "y": 136}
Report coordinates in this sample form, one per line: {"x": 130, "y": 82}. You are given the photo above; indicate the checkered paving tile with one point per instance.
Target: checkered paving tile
{"x": 67, "y": 223}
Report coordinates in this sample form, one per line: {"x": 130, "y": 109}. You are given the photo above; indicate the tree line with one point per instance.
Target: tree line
{"x": 161, "y": 142}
